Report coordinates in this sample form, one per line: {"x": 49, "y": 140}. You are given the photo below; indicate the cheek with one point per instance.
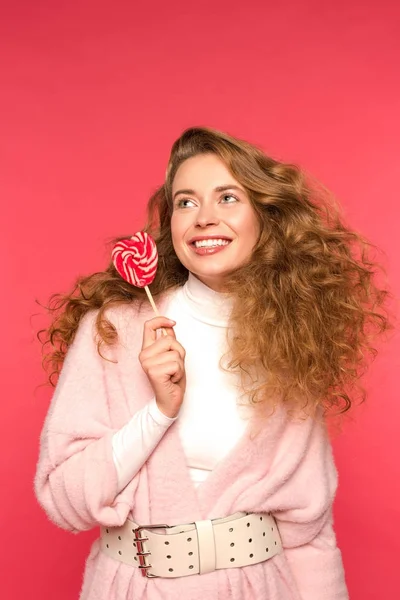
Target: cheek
{"x": 255, "y": 228}
{"x": 174, "y": 228}
{"x": 249, "y": 227}
{"x": 177, "y": 231}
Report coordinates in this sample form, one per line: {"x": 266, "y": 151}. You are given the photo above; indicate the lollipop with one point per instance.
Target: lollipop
{"x": 136, "y": 261}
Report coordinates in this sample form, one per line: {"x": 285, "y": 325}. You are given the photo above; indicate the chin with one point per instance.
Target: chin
{"x": 212, "y": 277}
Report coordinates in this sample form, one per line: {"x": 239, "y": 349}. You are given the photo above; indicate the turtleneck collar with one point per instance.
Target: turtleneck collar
{"x": 204, "y": 303}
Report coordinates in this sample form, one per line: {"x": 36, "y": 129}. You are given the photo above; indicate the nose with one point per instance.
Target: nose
{"x": 206, "y": 216}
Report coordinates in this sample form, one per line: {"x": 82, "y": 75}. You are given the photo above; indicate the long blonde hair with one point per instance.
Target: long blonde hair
{"x": 308, "y": 297}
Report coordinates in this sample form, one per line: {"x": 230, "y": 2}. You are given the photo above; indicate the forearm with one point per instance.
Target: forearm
{"x": 319, "y": 575}
{"x": 76, "y": 482}
{"x": 134, "y": 442}
{"x": 317, "y": 566}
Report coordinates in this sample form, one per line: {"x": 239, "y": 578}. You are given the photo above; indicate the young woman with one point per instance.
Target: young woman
{"x": 203, "y": 455}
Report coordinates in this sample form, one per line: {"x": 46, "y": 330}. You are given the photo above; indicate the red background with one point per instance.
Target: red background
{"x": 92, "y": 97}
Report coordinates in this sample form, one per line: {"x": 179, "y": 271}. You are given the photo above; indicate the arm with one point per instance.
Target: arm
{"x": 317, "y": 566}
{"x": 77, "y": 481}
{"x": 133, "y": 443}
{"x": 305, "y": 521}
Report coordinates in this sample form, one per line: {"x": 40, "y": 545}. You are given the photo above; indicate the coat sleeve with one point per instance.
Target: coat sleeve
{"x": 76, "y": 478}
{"x": 305, "y": 519}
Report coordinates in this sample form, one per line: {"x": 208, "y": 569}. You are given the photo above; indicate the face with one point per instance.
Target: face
{"x": 214, "y": 226}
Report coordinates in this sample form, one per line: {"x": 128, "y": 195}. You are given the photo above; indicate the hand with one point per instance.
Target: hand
{"x": 163, "y": 362}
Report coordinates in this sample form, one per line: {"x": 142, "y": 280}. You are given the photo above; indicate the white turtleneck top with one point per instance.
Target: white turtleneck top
{"x": 210, "y": 421}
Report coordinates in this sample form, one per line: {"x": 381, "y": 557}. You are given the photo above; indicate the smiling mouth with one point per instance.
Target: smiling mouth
{"x": 210, "y": 246}
{"x": 211, "y": 243}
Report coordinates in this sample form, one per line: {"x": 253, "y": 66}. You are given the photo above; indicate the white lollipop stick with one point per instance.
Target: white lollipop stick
{"x": 151, "y": 300}
{"x": 153, "y": 304}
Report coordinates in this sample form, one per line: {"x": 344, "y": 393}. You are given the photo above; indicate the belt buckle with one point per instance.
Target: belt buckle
{"x": 139, "y": 545}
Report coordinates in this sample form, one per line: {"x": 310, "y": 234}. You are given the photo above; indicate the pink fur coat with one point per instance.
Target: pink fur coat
{"x": 288, "y": 469}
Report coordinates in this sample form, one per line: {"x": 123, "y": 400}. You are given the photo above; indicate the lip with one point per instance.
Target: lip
{"x": 208, "y": 250}
{"x": 199, "y": 238}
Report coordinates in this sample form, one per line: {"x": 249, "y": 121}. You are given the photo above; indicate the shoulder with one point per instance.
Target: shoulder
{"x": 127, "y": 321}
{"x": 133, "y": 315}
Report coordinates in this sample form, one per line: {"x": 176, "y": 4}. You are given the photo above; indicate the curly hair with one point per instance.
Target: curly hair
{"x": 308, "y": 296}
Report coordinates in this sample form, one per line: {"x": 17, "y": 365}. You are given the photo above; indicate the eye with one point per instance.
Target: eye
{"x": 231, "y": 196}
{"x": 181, "y": 203}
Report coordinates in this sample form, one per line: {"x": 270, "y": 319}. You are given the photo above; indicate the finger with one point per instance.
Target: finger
{"x": 160, "y": 359}
{"x": 150, "y": 329}
{"x": 171, "y": 370}
{"x": 175, "y": 370}
{"x": 168, "y": 331}
{"x": 161, "y": 346}
{"x": 179, "y": 376}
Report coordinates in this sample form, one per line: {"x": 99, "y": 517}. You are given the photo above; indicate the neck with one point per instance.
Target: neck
{"x": 205, "y": 303}
{"x": 215, "y": 285}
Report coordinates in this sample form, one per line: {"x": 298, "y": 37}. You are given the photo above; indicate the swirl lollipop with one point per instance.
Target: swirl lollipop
{"x": 136, "y": 260}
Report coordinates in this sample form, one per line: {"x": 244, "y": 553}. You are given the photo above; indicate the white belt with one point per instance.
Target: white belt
{"x": 176, "y": 551}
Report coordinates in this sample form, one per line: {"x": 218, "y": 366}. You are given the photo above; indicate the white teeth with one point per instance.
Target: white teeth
{"x": 210, "y": 243}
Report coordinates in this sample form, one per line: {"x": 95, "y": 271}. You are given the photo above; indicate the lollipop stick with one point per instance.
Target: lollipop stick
{"x": 153, "y": 304}
{"x": 151, "y": 300}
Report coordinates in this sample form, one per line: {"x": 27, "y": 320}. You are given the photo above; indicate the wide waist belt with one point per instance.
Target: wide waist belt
{"x": 200, "y": 547}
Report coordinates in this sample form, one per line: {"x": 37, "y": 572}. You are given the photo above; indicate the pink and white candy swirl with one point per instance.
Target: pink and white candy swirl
{"x": 136, "y": 259}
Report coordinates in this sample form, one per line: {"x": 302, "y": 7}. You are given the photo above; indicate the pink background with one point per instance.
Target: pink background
{"x": 92, "y": 97}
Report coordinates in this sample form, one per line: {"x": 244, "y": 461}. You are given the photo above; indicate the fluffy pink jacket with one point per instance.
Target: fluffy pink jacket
{"x": 288, "y": 469}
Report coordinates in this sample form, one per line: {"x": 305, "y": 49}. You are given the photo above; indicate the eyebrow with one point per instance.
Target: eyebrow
{"x": 220, "y": 188}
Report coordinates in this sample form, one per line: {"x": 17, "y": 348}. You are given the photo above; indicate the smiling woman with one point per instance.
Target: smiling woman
{"x": 234, "y": 460}
{"x": 207, "y": 220}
